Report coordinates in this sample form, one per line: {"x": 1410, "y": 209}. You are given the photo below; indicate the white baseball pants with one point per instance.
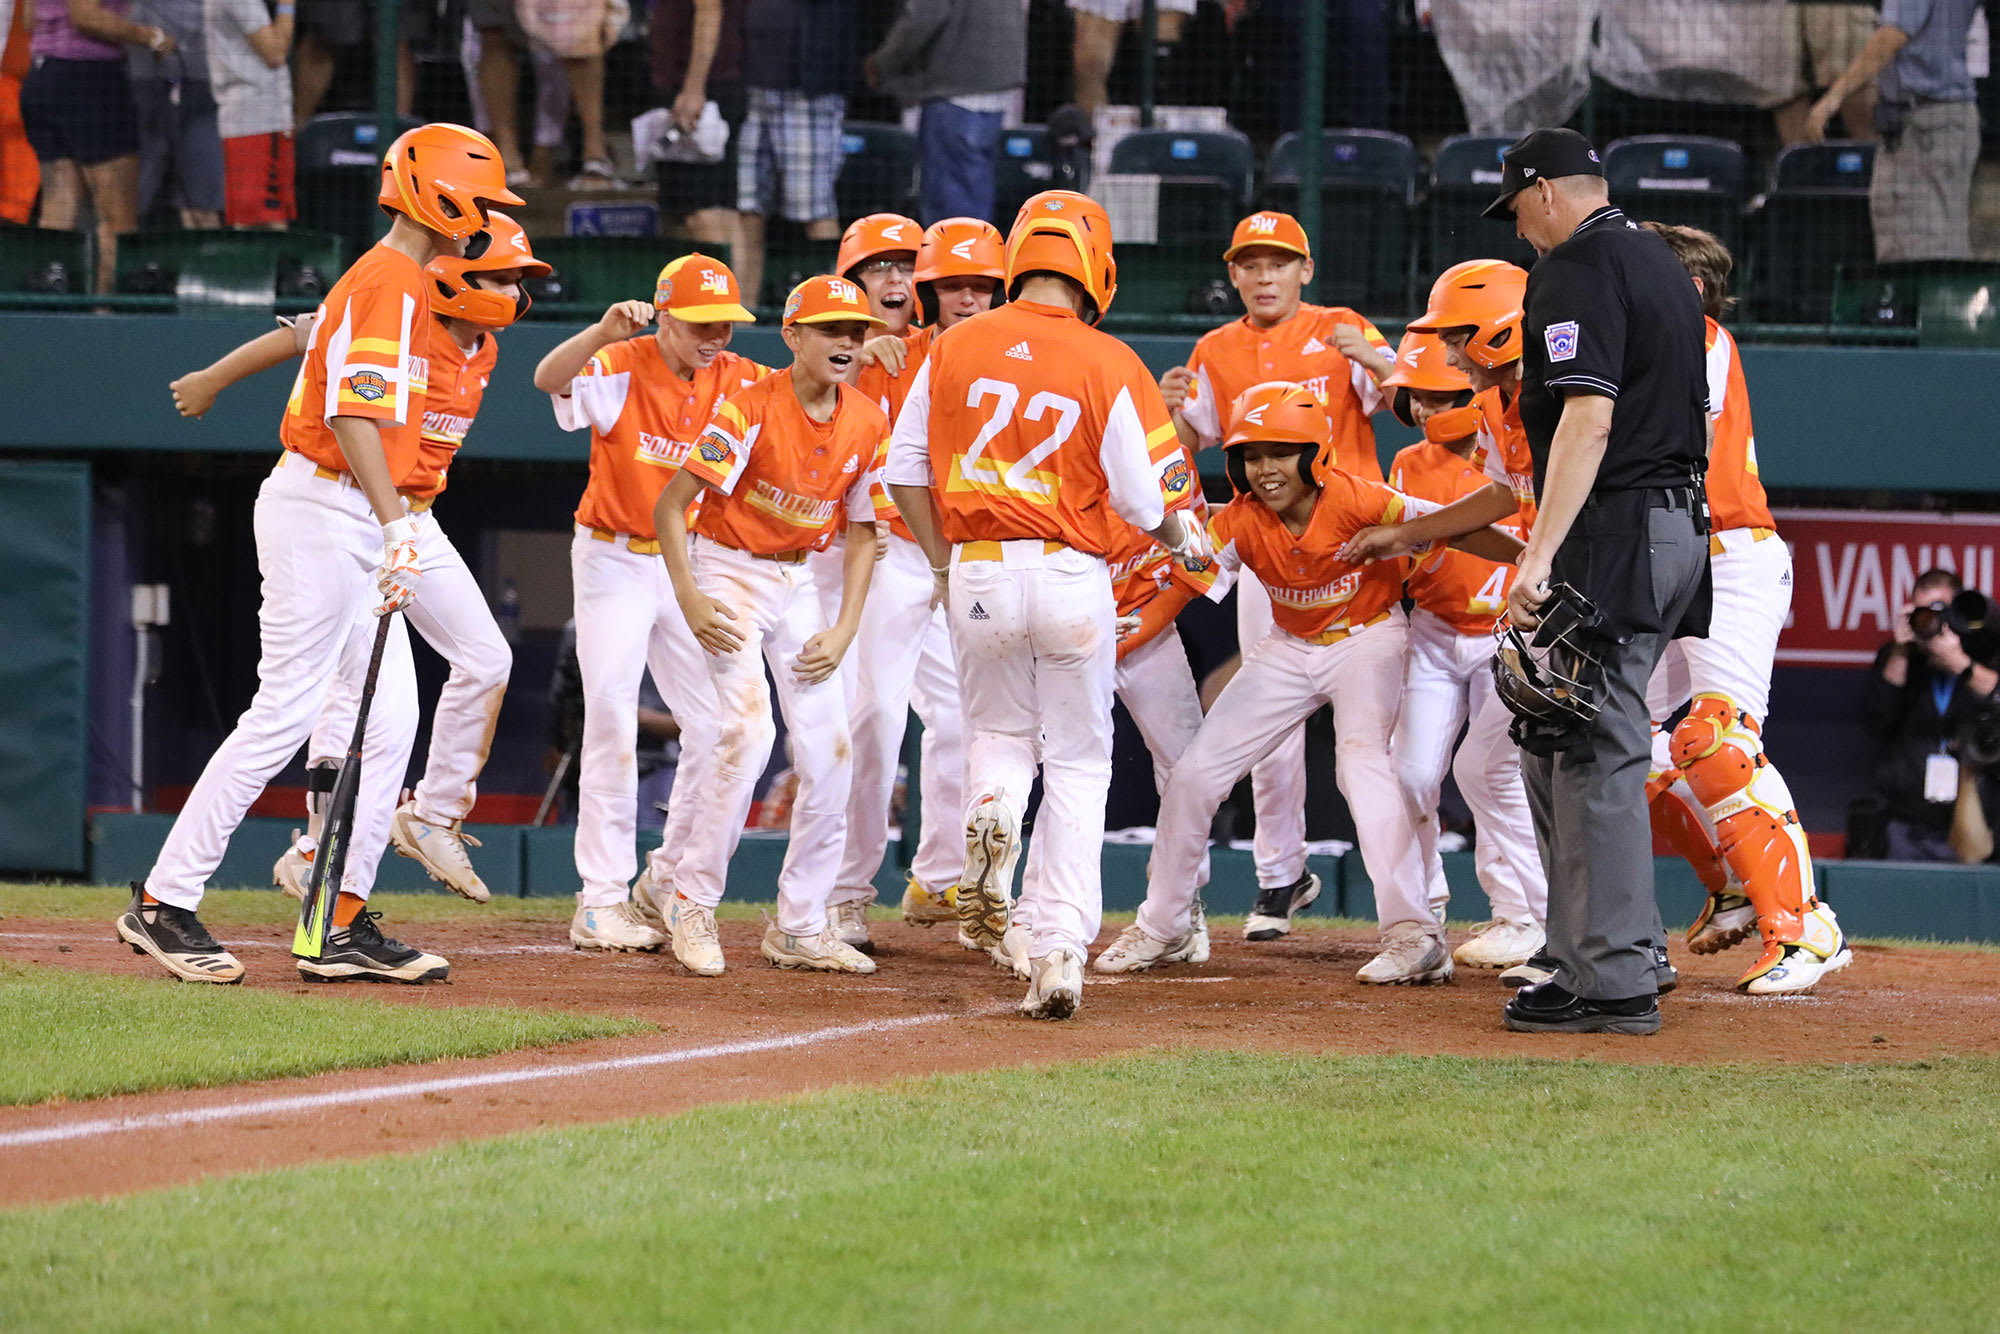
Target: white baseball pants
{"x": 627, "y": 622}
{"x": 318, "y": 547}
{"x": 902, "y": 657}
{"x": 1278, "y": 782}
{"x": 777, "y": 610}
{"x": 1280, "y": 685}
{"x": 451, "y": 614}
{"x": 1753, "y": 597}
{"x": 1448, "y": 681}
{"x": 1035, "y": 635}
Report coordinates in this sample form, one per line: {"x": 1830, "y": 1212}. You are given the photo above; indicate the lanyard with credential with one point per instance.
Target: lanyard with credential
{"x": 1941, "y": 692}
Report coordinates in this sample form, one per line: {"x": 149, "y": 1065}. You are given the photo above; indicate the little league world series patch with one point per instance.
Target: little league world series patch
{"x": 1561, "y": 340}
{"x": 367, "y": 386}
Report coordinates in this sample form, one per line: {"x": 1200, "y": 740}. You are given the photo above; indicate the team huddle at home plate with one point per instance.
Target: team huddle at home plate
{"x": 993, "y": 518}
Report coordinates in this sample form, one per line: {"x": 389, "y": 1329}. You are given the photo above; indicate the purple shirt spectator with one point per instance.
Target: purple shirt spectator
{"x": 55, "y": 38}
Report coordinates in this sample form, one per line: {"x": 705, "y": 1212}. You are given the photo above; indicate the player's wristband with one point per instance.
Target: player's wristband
{"x": 287, "y": 9}
{"x": 940, "y": 569}
{"x": 157, "y": 42}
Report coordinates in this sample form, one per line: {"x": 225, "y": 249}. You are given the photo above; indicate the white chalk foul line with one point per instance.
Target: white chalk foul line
{"x": 417, "y": 1088}
{"x": 471, "y": 951}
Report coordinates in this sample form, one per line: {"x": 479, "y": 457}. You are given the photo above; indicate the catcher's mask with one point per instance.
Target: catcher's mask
{"x": 1553, "y": 684}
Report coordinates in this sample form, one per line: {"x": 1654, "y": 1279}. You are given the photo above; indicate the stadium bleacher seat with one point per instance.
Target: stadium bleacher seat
{"x": 878, "y": 171}
{"x": 1689, "y": 180}
{"x": 1205, "y": 179}
{"x": 1022, "y": 168}
{"x": 1464, "y": 178}
{"x": 1810, "y": 232}
{"x": 229, "y": 268}
{"x": 598, "y": 270}
{"x": 339, "y": 158}
{"x": 1368, "y": 196}
{"x": 35, "y": 259}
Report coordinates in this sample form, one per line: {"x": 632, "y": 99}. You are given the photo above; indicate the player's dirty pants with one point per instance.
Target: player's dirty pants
{"x": 1590, "y": 815}
{"x": 627, "y": 622}
{"x": 902, "y": 657}
{"x": 1035, "y": 635}
{"x": 318, "y": 547}
{"x": 777, "y": 611}
{"x": 451, "y": 614}
{"x": 1278, "y": 782}
{"x": 1156, "y": 686}
{"x": 1282, "y": 681}
{"x": 1448, "y": 679}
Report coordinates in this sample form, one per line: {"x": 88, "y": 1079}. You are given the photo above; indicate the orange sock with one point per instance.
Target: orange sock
{"x": 347, "y": 907}
{"x": 144, "y": 897}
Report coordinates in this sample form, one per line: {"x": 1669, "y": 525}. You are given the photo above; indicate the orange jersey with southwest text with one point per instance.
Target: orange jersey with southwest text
{"x": 1314, "y": 594}
{"x": 1458, "y": 588}
{"x": 368, "y": 357}
{"x": 782, "y": 481}
{"x": 643, "y": 419}
{"x": 1235, "y": 357}
{"x": 1502, "y": 453}
{"x": 458, "y": 383}
{"x": 1735, "y": 491}
{"x": 1032, "y": 424}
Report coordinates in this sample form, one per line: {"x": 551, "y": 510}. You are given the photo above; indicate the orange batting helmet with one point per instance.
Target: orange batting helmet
{"x": 501, "y": 247}
{"x": 1483, "y": 295}
{"x": 1277, "y": 412}
{"x": 1422, "y": 362}
{"x": 444, "y": 177}
{"x": 962, "y": 248}
{"x": 1063, "y": 232}
{"x": 876, "y": 234}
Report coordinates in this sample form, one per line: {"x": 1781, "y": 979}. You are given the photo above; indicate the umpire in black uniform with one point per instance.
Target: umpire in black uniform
{"x": 1613, "y": 397}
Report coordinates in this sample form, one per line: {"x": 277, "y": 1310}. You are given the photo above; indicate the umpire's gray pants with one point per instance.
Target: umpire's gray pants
{"x": 1591, "y": 821}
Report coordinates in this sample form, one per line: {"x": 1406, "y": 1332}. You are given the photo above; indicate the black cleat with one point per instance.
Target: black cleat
{"x": 176, "y": 940}
{"x": 1272, "y": 917}
{"x": 361, "y": 952}
{"x": 1548, "y": 1008}
{"x": 1665, "y": 976}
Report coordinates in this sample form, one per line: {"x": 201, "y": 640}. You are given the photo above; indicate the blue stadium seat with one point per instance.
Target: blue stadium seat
{"x": 878, "y": 171}
{"x": 1205, "y": 178}
{"x": 1368, "y": 197}
{"x": 339, "y": 157}
{"x": 1464, "y": 178}
{"x": 1689, "y": 180}
{"x": 1811, "y": 232}
{"x": 1021, "y": 169}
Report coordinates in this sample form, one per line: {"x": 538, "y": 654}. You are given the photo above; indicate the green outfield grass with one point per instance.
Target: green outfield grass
{"x": 84, "y": 1035}
{"x": 1174, "y": 1191}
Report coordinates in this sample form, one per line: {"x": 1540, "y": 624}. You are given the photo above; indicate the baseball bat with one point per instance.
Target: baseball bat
{"x": 330, "y": 861}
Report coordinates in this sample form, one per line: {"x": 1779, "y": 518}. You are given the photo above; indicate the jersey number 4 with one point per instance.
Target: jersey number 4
{"x": 1019, "y": 477}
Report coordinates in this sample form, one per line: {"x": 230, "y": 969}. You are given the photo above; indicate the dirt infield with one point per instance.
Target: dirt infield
{"x": 758, "y": 1033}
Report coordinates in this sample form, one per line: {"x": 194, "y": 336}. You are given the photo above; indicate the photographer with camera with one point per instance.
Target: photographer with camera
{"x": 1929, "y": 703}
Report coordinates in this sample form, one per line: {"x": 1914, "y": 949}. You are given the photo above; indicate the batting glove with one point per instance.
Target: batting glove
{"x": 397, "y": 579}
{"x": 1192, "y": 551}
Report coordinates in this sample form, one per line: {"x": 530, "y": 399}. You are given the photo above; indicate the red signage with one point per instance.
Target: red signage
{"x": 1852, "y": 571}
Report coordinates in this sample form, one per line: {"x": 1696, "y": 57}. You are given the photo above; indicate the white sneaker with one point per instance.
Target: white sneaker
{"x": 616, "y": 926}
{"x": 1410, "y": 955}
{"x": 292, "y": 872}
{"x": 647, "y": 898}
{"x": 1012, "y": 951}
{"x": 1199, "y": 933}
{"x": 1726, "y": 920}
{"x": 1500, "y": 944}
{"x": 691, "y": 931}
{"x": 992, "y": 844}
{"x": 1056, "y": 988}
{"x": 850, "y": 923}
{"x": 1821, "y": 951}
{"x": 1134, "y": 951}
{"x": 825, "y": 952}
{"x": 440, "y": 850}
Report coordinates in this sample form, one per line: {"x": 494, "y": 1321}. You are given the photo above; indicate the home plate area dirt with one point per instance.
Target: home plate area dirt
{"x": 757, "y": 1032}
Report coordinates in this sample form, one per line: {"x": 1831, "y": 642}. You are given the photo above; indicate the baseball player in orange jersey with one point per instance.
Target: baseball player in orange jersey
{"x": 351, "y": 431}
{"x": 471, "y": 296}
{"x": 644, "y": 397}
{"x": 1339, "y": 640}
{"x": 1715, "y": 797}
{"x": 781, "y": 461}
{"x": 1342, "y": 359}
{"x": 1024, "y": 428}
{"x": 902, "y": 656}
{"x": 1448, "y": 677}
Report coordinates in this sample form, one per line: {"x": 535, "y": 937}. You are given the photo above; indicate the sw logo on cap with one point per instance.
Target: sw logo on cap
{"x": 1263, "y": 222}
{"x": 718, "y": 283}
{"x": 842, "y": 290}
{"x": 1562, "y": 340}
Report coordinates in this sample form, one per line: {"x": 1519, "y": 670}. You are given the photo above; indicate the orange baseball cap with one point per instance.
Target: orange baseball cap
{"x": 700, "y": 290}
{"x": 1280, "y": 231}
{"x": 826, "y": 299}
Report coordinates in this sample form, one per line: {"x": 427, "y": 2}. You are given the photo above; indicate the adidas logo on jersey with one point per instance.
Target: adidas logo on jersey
{"x": 1312, "y": 345}
{"x": 978, "y": 613}
{"x": 1020, "y": 351}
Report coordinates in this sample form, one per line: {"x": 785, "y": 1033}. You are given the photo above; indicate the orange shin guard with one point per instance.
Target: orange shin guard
{"x": 1676, "y": 824}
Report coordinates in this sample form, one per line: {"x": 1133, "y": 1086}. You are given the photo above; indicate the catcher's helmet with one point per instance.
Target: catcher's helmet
{"x": 1553, "y": 684}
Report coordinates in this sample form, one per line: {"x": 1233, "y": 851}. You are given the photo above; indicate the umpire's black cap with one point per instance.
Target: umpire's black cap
{"x": 1551, "y": 153}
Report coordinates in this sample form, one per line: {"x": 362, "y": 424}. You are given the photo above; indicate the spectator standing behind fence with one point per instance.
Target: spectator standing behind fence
{"x": 959, "y": 61}
{"x": 795, "y": 66}
{"x": 76, "y": 105}
{"x": 20, "y": 173}
{"x": 179, "y": 148}
{"x": 579, "y": 32}
{"x": 327, "y": 27}
{"x": 1099, "y": 25}
{"x": 1924, "y": 686}
{"x": 1831, "y": 34}
{"x": 1921, "y": 195}
{"x": 697, "y": 55}
{"x": 247, "y": 44}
